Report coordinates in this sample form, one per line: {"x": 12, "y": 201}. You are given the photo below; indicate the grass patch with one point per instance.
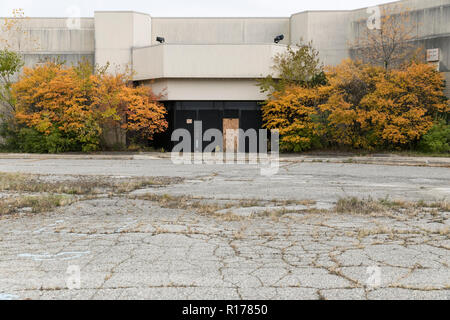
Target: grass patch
{"x": 184, "y": 203}
{"x": 81, "y": 185}
{"x": 358, "y": 206}
{"x": 36, "y": 204}
{"x": 371, "y": 206}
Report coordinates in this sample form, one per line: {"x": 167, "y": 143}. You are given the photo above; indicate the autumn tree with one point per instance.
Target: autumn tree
{"x": 136, "y": 108}
{"x": 386, "y": 39}
{"x": 10, "y": 64}
{"x": 69, "y": 106}
{"x": 295, "y": 113}
{"x": 404, "y": 105}
{"x": 56, "y": 101}
{"x": 293, "y": 101}
{"x": 361, "y": 107}
{"x": 348, "y": 83}
{"x": 298, "y": 66}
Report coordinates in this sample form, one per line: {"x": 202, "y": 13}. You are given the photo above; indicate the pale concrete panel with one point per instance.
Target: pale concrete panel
{"x": 198, "y": 31}
{"x": 236, "y": 61}
{"x": 61, "y": 40}
{"x": 264, "y": 31}
{"x": 116, "y": 33}
{"x": 205, "y": 61}
{"x": 50, "y": 35}
{"x": 159, "y": 87}
{"x": 431, "y": 17}
{"x": 397, "y": 6}
{"x": 113, "y": 38}
{"x": 148, "y": 63}
{"x": 118, "y": 59}
{"x": 113, "y": 30}
{"x": 299, "y": 28}
{"x": 50, "y": 23}
{"x": 208, "y": 89}
{"x": 142, "y": 30}
{"x": 447, "y": 88}
{"x": 219, "y": 30}
{"x": 329, "y": 33}
{"x": 432, "y": 21}
{"x": 70, "y": 59}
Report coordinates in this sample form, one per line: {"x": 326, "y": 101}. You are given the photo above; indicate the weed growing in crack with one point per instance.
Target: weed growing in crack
{"x": 370, "y": 206}
{"x": 35, "y": 204}
{"x": 79, "y": 185}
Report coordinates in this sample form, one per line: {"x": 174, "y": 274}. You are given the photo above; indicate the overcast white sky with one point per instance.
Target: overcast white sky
{"x": 181, "y": 8}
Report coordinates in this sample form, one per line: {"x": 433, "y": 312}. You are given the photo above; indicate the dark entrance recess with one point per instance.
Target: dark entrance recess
{"x": 182, "y": 114}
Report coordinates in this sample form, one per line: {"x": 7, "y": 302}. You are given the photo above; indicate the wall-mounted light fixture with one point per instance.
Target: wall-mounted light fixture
{"x": 279, "y": 38}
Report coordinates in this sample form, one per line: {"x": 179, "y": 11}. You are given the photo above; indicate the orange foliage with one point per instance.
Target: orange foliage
{"x": 361, "y": 106}
{"x": 294, "y": 113}
{"x": 52, "y": 98}
{"x": 78, "y": 103}
{"x": 348, "y": 84}
{"x": 136, "y": 108}
{"x": 405, "y": 104}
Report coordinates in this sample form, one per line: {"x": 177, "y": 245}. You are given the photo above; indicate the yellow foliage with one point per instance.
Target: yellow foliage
{"x": 292, "y": 112}
{"x": 361, "y": 106}
{"x": 78, "y": 103}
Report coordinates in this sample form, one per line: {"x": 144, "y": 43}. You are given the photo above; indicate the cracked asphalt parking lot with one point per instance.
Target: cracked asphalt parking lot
{"x": 226, "y": 232}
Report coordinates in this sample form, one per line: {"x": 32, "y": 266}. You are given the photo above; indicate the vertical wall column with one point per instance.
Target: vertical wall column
{"x": 328, "y": 31}
{"x": 116, "y": 33}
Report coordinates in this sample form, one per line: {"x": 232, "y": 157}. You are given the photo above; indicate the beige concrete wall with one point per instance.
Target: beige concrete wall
{"x": 205, "y": 61}
{"x": 116, "y": 33}
{"x": 447, "y": 88}
{"x": 207, "y": 89}
{"x": 219, "y": 30}
{"x": 430, "y": 18}
{"x": 332, "y": 32}
{"x": 49, "y": 35}
{"x": 148, "y": 62}
{"x": 212, "y": 47}
{"x": 142, "y": 34}
{"x": 328, "y": 31}
{"x": 40, "y": 39}
{"x": 299, "y": 28}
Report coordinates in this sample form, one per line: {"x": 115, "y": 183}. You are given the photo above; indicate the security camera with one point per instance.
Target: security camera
{"x": 160, "y": 39}
{"x": 279, "y": 38}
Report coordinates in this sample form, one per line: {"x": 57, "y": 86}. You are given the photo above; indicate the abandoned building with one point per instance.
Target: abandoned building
{"x": 207, "y": 68}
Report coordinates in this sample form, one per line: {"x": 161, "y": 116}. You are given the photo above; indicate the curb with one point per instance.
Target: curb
{"x": 441, "y": 162}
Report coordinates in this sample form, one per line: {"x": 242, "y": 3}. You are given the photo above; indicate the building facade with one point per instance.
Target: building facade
{"x": 206, "y": 68}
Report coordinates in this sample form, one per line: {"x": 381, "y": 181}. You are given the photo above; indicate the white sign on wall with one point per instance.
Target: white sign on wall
{"x": 433, "y": 55}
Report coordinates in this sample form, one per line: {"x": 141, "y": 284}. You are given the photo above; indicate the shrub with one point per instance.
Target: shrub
{"x": 403, "y": 105}
{"x": 9, "y": 138}
{"x": 298, "y": 66}
{"x": 60, "y": 109}
{"x": 437, "y": 140}
{"x": 295, "y": 114}
{"x": 32, "y": 141}
{"x": 361, "y": 107}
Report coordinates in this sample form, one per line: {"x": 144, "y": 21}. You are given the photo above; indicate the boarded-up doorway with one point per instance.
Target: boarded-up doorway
{"x": 230, "y": 135}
